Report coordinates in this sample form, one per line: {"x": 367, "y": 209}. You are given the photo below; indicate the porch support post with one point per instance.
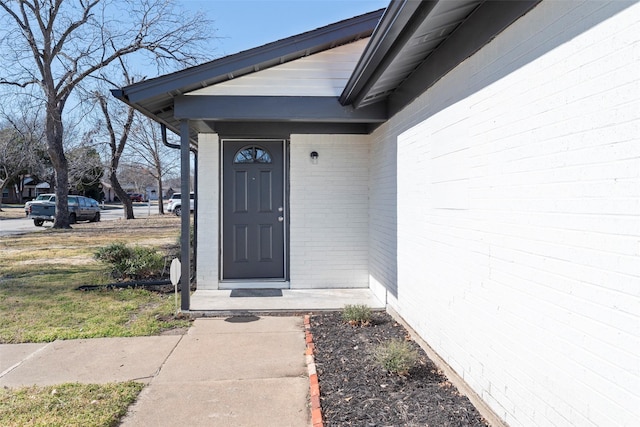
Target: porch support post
{"x": 185, "y": 219}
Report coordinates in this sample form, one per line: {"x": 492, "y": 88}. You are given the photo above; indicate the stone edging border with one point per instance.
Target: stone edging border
{"x": 314, "y": 386}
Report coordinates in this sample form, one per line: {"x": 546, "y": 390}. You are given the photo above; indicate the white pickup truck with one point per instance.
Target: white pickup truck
{"x": 40, "y": 198}
{"x": 175, "y": 203}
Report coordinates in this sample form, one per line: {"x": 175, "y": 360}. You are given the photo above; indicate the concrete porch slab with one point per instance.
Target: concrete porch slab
{"x": 292, "y": 301}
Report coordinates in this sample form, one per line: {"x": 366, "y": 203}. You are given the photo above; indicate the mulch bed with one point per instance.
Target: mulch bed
{"x": 355, "y": 391}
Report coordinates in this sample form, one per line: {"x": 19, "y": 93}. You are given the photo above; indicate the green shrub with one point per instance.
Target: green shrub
{"x": 132, "y": 262}
{"x": 396, "y": 356}
{"x": 145, "y": 262}
{"x": 357, "y": 314}
{"x": 115, "y": 253}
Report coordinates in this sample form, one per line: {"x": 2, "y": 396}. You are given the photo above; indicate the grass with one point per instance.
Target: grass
{"x": 67, "y": 404}
{"x": 39, "y": 274}
{"x": 12, "y": 212}
{"x": 39, "y": 301}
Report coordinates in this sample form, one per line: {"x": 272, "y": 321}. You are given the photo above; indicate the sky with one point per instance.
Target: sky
{"x": 245, "y": 24}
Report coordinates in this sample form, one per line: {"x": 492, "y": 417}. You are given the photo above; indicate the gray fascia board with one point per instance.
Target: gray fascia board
{"x": 488, "y": 20}
{"x": 383, "y": 46}
{"x": 277, "y": 108}
{"x": 289, "y": 48}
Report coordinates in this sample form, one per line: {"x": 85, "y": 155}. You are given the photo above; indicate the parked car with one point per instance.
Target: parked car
{"x": 136, "y": 197}
{"x": 175, "y": 203}
{"x": 80, "y": 209}
{"x": 41, "y": 197}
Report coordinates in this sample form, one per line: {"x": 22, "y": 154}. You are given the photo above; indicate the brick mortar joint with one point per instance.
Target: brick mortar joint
{"x": 314, "y": 386}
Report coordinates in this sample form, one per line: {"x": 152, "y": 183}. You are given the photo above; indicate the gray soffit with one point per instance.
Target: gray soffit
{"x": 416, "y": 43}
{"x": 155, "y": 97}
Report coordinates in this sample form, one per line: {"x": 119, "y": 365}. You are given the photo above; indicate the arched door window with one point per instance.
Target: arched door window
{"x": 252, "y": 154}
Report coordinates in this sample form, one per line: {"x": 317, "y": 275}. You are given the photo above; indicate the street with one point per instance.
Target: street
{"x": 21, "y": 225}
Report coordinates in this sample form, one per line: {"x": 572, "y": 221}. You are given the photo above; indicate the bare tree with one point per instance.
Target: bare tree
{"x": 21, "y": 140}
{"x": 118, "y": 120}
{"x": 54, "y": 45}
{"x": 85, "y": 171}
{"x": 137, "y": 176}
{"x": 13, "y": 157}
{"x": 152, "y": 154}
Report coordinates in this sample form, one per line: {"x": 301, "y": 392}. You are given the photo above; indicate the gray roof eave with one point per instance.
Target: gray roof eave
{"x": 389, "y": 75}
{"x": 402, "y": 27}
{"x": 252, "y": 60}
{"x": 383, "y": 47}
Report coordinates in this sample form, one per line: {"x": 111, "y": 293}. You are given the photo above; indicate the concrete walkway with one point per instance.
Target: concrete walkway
{"x": 223, "y": 372}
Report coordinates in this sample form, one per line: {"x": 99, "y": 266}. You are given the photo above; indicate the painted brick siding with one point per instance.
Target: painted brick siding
{"x": 208, "y": 202}
{"x": 518, "y": 216}
{"x": 329, "y": 208}
{"x": 383, "y": 213}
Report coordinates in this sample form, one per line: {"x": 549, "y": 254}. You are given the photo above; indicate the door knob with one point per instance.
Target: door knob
{"x": 280, "y": 218}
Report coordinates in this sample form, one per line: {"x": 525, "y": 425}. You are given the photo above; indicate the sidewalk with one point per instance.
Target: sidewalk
{"x": 223, "y": 372}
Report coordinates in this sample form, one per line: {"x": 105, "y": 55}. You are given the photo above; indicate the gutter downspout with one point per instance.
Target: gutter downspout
{"x": 165, "y": 141}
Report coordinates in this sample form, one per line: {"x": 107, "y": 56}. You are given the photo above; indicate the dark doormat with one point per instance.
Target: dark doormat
{"x": 242, "y": 319}
{"x": 238, "y": 293}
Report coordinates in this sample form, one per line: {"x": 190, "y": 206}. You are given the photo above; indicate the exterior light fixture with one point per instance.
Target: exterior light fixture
{"x": 314, "y": 157}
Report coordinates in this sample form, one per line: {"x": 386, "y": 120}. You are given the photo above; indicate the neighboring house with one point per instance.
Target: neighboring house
{"x": 478, "y": 168}
{"x": 40, "y": 188}
{"x": 110, "y": 194}
{"x": 31, "y": 189}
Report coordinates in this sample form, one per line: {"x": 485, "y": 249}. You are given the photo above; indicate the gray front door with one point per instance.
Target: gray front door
{"x": 253, "y": 210}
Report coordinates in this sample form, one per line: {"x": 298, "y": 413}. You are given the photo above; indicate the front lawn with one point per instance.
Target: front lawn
{"x": 40, "y": 273}
{"x": 12, "y": 212}
{"x": 95, "y": 405}
{"x": 40, "y": 302}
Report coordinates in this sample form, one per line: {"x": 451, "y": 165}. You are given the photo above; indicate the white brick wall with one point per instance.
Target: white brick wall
{"x": 208, "y": 205}
{"x": 518, "y": 216}
{"x": 329, "y": 208}
{"x": 383, "y": 218}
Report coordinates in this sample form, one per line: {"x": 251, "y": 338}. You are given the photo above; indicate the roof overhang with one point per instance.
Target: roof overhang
{"x": 418, "y": 42}
{"x": 413, "y": 44}
{"x": 155, "y": 98}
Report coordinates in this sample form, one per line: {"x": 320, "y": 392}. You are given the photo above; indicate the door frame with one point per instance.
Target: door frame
{"x": 279, "y": 283}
